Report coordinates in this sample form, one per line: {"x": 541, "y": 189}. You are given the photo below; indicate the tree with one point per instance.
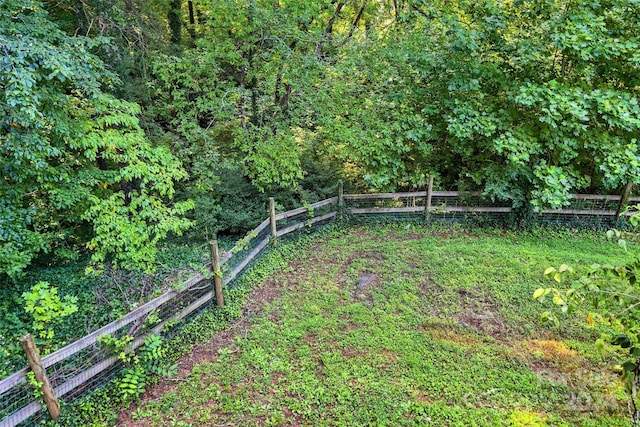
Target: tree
{"x": 76, "y": 166}
{"x": 237, "y": 101}
{"x": 135, "y": 29}
{"x": 174, "y": 17}
{"x": 529, "y": 100}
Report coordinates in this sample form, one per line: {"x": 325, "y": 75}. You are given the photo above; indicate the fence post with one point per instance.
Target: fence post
{"x": 272, "y": 219}
{"x": 623, "y": 200}
{"x": 427, "y": 200}
{"x": 340, "y": 199}
{"x": 217, "y": 273}
{"x": 33, "y": 355}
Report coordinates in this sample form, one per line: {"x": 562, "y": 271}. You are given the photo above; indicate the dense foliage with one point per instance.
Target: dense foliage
{"x": 76, "y": 166}
{"x": 127, "y": 122}
{"x": 529, "y": 100}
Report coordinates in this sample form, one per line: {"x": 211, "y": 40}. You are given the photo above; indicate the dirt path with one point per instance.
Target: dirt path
{"x": 255, "y": 302}
{"x": 207, "y": 351}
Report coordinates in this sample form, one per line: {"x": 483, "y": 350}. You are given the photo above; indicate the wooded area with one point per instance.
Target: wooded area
{"x": 124, "y": 122}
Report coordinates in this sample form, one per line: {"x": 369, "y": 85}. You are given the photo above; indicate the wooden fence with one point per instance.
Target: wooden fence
{"x": 453, "y": 202}
{"x": 80, "y": 366}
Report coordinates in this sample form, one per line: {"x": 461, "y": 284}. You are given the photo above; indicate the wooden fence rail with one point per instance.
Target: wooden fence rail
{"x": 406, "y": 203}
{"x": 456, "y": 195}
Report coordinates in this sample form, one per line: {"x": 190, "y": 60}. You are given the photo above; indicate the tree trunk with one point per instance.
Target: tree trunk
{"x": 129, "y": 6}
{"x": 328, "y": 31}
{"x": 174, "y": 16}
{"x": 192, "y": 22}
{"x": 81, "y": 17}
{"x": 356, "y": 21}
{"x": 241, "y": 102}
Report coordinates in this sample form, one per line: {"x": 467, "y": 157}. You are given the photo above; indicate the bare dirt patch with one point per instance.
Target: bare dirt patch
{"x": 362, "y": 256}
{"x": 389, "y": 355}
{"x": 428, "y": 287}
{"x": 441, "y": 332}
{"x": 481, "y": 313}
{"x": 367, "y": 283}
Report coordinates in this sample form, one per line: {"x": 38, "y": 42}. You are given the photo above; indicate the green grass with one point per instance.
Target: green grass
{"x": 446, "y": 334}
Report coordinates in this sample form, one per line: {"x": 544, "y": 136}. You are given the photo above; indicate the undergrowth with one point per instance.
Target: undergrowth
{"x": 101, "y": 407}
{"x": 99, "y": 299}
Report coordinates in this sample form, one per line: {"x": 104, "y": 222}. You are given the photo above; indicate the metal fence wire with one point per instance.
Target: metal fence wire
{"x": 90, "y": 362}
{"x": 419, "y": 205}
{"x": 588, "y": 210}
{"x": 583, "y": 210}
{"x": 306, "y": 218}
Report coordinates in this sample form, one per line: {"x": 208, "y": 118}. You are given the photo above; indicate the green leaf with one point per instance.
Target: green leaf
{"x": 623, "y": 244}
{"x": 538, "y": 293}
{"x": 621, "y": 340}
{"x": 558, "y": 300}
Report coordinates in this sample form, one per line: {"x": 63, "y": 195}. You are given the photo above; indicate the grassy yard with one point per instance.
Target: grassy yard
{"x": 405, "y": 326}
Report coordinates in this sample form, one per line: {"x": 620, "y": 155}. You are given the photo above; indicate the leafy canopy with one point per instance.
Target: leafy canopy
{"x": 76, "y": 166}
{"x": 531, "y": 100}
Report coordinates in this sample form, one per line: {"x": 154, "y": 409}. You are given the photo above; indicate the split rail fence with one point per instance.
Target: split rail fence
{"x": 82, "y": 366}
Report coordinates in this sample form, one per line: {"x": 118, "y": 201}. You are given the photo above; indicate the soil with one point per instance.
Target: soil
{"x": 208, "y": 351}
{"x": 255, "y": 303}
{"x": 479, "y": 312}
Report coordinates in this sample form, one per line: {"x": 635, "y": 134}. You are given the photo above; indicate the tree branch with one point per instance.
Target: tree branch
{"x": 355, "y": 22}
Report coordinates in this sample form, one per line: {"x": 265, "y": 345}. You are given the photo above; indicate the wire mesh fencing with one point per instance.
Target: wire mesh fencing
{"x": 584, "y": 210}
{"x": 244, "y": 252}
{"x": 91, "y": 362}
{"x": 425, "y": 205}
{"x": 591, "y": 210}
{"x": 306, "y": 218}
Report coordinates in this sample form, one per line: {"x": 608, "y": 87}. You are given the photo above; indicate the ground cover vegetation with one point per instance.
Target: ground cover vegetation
{"x": 98, "y": 300}
{"x": 189, "y": 343}
{"x": 609, "y": 291}
{"x": 405, "y": 325}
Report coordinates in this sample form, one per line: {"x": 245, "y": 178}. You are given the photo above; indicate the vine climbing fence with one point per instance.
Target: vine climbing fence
{"x": 86, "y": 364}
